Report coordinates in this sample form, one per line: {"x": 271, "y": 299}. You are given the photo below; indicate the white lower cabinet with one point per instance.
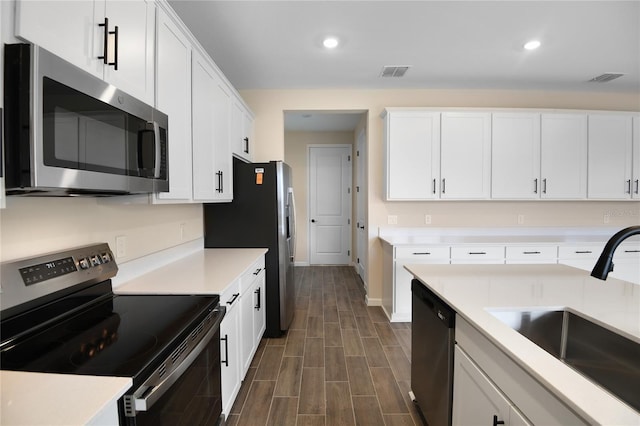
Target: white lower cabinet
{"x": 252, "y": 313}
{"x": 476, "y": 399}
{"x": 230, "y": 347}
{"x": 241, "y": 330}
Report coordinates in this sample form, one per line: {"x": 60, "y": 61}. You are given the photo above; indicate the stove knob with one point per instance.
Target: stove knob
{"x": 84, "y": 263}
{"x": 95, "y": 260}
{"x": 106, "y": 258}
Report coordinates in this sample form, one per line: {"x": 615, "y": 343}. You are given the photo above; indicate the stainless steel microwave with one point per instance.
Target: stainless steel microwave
{"x": 70, "y": 133}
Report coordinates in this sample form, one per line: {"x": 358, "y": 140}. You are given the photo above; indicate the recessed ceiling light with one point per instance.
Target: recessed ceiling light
{"x": 330, "y": 42}
{"x": 532, "y": 45}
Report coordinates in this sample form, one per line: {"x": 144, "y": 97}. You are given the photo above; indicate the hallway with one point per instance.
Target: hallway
{"x": 341, "y": 362}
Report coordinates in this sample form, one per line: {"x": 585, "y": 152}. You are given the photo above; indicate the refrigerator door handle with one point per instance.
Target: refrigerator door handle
{"x": 293, "y": 231}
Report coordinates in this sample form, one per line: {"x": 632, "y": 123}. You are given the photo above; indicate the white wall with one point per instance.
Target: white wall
{"x": 269, "y": 107}
{"x": 31, "y": 226}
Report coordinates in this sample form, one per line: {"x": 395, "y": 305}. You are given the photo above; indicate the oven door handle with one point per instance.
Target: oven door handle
{"x": 145, "y": 401}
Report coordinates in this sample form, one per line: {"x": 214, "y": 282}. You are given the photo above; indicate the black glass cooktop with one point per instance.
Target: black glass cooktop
{"x": 120, "y": 336}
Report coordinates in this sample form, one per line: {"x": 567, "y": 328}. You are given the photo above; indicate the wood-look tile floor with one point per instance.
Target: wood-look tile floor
{"x": 340, "y": 363}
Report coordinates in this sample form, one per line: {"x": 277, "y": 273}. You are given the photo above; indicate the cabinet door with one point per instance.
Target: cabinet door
{"x": 246, "y": 330}
{"x": 247, "y": 137}
{"x": 515, "y": 156}
{"x": 564, "y": 156}
{"x": 635, "y": 192}
{"x": 259, "y": 309}
{"x": 65, "y": 28}
{"x": 476, "y": 400}
{"x": 412, "y": 150}
{"x": 222, "y": 164}
{"x": 173, "y": 97}
{"x": 136, "y": 35}
{"x": 465, "y": 155}
{"x": 610, "y": 140}
{"x": 230, "y": 357}
{"x": 204, "y": 86}
{"x": 241, "y": 131}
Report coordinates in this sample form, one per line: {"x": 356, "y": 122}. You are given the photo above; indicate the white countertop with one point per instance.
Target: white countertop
{"x": 473, "y": 289}
{"x": 208, "y": 271}
{"x": 56, "y": 399}
{"x": 512, "y": 235}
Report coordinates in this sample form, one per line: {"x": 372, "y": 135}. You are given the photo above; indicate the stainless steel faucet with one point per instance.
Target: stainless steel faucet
{"x": 604, "y": 265}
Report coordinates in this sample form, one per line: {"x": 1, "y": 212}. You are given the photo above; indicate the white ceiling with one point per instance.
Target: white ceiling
{"x": 448, "y": 44}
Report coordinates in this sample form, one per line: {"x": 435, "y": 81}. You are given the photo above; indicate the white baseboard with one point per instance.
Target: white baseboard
{"x": 300, "y": 263}
{"x": 372, "y": 302}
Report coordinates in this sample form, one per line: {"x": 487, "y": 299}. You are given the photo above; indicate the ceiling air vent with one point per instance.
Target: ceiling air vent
{"x": 394, "y": 70}
{"x": 606, "y": 77}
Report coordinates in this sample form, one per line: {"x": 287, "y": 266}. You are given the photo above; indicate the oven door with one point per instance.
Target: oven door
{"x": 189, "y": 393}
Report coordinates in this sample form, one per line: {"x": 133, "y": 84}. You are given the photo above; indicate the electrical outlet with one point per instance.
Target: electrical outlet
{"x": 427, "y": 219}
{"x": 121, "y": 246}
{"x": 182, "y": 228}
{"x": 520, "y": 219}
{"x": 606, "y": 218}
{"x": 392, "y": 220}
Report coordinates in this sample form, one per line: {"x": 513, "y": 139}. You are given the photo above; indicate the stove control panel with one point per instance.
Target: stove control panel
{"x": 25, "y": 280}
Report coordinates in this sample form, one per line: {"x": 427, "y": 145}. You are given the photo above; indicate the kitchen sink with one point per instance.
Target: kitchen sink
{"x": 602, "y": 355}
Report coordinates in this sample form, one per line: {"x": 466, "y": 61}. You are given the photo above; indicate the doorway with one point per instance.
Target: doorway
{"x": 330, "y": 181}
{"x": 303, "y": 128}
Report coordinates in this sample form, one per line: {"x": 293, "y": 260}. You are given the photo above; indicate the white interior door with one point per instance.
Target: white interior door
{"x": 329, "y": 204}
{"x": 361, "y": 233}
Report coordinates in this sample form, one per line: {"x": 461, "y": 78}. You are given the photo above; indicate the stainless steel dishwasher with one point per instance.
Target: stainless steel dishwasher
{"x": 432, "y": 345}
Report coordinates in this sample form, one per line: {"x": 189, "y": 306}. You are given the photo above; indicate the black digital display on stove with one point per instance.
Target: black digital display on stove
{"x": 45, "y": 271}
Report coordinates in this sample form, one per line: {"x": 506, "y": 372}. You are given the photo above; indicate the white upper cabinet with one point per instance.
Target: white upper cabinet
{"x": 75, "y": 31}
{"x": 211, "y": 103}
{"x": 635, "y": 180}
{"x": 564, "y": 156}
{"x": 174, "y": 99}
{"x": 241, "y": 131}
{"x": 515, "y": 156}
{"x": 412, "y": 141}
{"x": 610, "y": 156}
{"x": 465, "y": 162}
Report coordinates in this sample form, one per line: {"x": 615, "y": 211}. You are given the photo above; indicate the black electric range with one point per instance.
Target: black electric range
{"x": 60, "y": 315}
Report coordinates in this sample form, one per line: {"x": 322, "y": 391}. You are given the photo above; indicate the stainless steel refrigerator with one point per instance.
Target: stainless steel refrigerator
{"x": 262, "y": 214}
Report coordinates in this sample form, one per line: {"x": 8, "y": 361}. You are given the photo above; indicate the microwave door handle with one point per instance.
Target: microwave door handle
{"x": 156, "y": 139}
{"x": 154, "y": 129}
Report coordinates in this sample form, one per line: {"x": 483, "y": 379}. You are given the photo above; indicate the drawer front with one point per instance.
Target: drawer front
{"x": 580, "y": 251}
{"x": 251, "y": 275}
{"x": 627, "y": 251}
{"x": 532, "y": 253}
{"x": 477, "y": 252}
{"x": 230, "y": 297}
{"x": 418, "y": 253}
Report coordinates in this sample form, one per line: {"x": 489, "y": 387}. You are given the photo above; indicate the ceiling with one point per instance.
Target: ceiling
{"x": 447, "y": 44}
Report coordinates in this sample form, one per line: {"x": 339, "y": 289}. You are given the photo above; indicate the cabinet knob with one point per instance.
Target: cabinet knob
{"x": 313, "y": 221}
{"x": 497, "y": 422}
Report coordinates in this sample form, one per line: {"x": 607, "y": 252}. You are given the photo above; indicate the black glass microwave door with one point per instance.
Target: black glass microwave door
{"x": 83, "y": 133}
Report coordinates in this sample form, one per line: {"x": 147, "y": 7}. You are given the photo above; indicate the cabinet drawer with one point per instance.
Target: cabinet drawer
{"x": 422, "y": 253}
{"x": 230, "y": 297}
{"x": 548, "y": 254}
{"x": 580, "y": 251}
{"x": 477, "y": 252}
{"x": 627, "y": 251}
{"x": 251, "y": 274}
